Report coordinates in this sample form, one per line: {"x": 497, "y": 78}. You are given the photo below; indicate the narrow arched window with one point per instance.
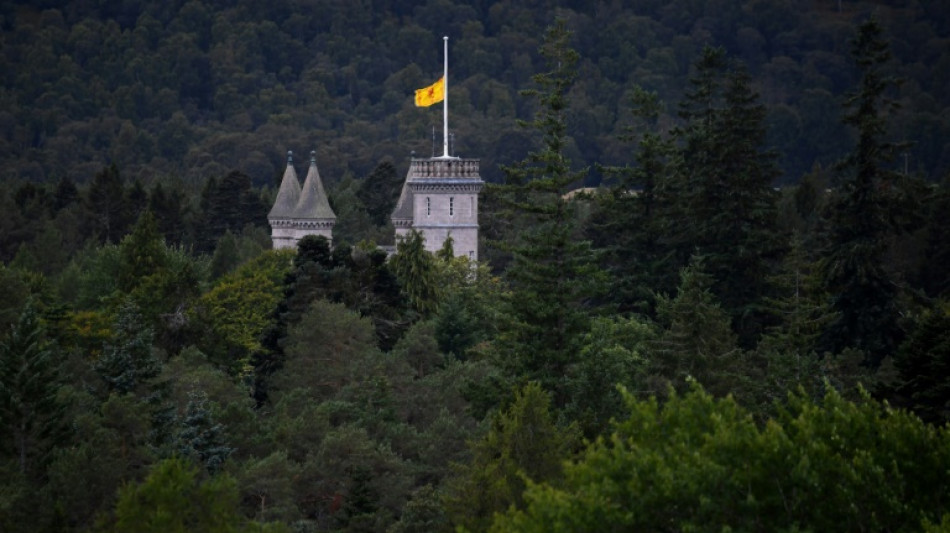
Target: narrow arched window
{"x": 451, "y": 206}
{"x": 428, "y": 206}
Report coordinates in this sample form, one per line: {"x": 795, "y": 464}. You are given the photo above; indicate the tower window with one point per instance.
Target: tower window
{"x": 451, "y": 206}
{"x": 428, "y": 206}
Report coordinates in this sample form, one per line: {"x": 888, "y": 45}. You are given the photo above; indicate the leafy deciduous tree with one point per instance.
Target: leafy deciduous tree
{"x": 523, "y": 443}
{"x": 697, "y": 463}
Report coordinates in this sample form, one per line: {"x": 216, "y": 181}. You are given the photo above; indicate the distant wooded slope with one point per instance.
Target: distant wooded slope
{"x": 196, "y": 88}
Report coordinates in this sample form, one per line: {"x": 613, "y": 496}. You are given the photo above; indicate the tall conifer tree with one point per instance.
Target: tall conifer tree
{"x": 108, "y": 213}
{"x": 31, "y": 416}
{"x": 724, "y": 202}
{"x": 552, "y": 269}
{"x": 860, "y": 218}
{"x": 626, "y": 224}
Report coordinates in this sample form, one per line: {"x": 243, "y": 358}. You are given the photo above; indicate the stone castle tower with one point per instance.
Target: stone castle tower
{"x": 300, "y": 211}
{"x": 440, "y": 199}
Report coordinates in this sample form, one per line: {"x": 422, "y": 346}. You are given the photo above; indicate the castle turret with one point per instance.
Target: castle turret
{"x": 440, "y": 199}
{"x": 313, "y": 215}
{"x": 300, "y": 211}
{"x": 283, "y": 234}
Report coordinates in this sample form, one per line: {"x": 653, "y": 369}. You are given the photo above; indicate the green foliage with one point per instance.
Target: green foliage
{"x": 553, "y": 271}
{"x": 455, "y": 329}
{"x": 802, "y": 307}
{"x": 422, "y": 514}
{"x": 237, "y": 310}
{"x": 110, "y": 448}
{"x": 230, "y": 203}
{"x": 697, "y": 342}
{"x": 108, "y": 212}
{"x": 31, "y": 414}
{"x": 323, "y": 350}
{"x": 14, "y": 292}
{"x": 415, "y": 269}
{"x": 420, "y": 349}
{"x": 96, "y": 271}
{"x": 173, "y": 498}
{"x": 200, "y": 438}
{"x": 169, "y": 210}
{"x": 225, "y": 257}
{"x": 128, "y": 361}
{"x": 471, "y": 306}
{"x": 353, "y": 221}
{"x": 523, "y": 445}
{"x": 934, "y": 278}
{"x": 862, "y": 213}
{"x": 266, "y": 487}
{"x": 627, "y": 224}
{"x": 377, "y": 392}
{"x": 922, "y": 364}
{"x": 191, "y": 102}
{"x": 379, "y": 192}
{"x": 614, "y": 354}
{"x": 721, "y": 196}
{"x": 141, "y": 253}
{"x": 697, "y": 463}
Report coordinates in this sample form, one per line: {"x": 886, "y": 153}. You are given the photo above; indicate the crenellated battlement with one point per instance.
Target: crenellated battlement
{"x": 444, "y": 168}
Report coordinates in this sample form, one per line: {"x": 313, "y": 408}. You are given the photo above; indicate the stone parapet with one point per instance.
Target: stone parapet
{"x": 444, "y": 168}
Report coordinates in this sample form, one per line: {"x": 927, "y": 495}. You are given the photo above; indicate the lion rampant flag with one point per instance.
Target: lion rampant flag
{"x": 432, "y": 94}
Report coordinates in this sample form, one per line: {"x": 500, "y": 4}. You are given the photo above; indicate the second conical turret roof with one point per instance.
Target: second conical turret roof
{"x": 313, "y": 203}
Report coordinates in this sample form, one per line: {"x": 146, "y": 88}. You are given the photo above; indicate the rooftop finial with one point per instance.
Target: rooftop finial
{"x": 313, "y": 157}
{"x": 290, "y": 156}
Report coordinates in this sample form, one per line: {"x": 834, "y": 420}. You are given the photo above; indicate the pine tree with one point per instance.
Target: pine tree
{"x": 108, "y": 214}
{"x": 553, "y": 273}
{"x": 31, "y": 416}
{"x": 725, "y": 205}
{"x": 454, "y": 328}
{"x": 923, "y": 368}
{"x": 65, "y": 193}
{"x": 228, "y": 204}
{"x": 200, "y": 437}
{"x": 697, "y": 341}
{"x": 626, "y": 224}
{"x": 357, "y": 513}
{"x": 169, "y": 210}
{"x": 415, "y": 269}
{"x": 934, "y": 275}
{"x": 860, "y": 215}
{"x": 379, "y": 192}
{"x": 141, "y": 253}
{"x": 128, "y": 361}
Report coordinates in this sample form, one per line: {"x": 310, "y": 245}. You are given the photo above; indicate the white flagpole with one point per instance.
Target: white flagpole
{"x": 445, "y": 100}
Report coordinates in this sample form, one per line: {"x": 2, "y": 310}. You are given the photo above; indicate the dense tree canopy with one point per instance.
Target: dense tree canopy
{"x": 684, "y": 348}
{"x": 195, "y": 89}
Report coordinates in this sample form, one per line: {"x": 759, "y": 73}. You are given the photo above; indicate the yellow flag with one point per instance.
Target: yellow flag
{"x": 432, "y": 94}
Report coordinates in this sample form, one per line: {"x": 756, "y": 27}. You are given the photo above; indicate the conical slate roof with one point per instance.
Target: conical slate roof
{"x": 289, "y": 193}
{"x": 403, "y": 210}
{"x": 313, "y": 203}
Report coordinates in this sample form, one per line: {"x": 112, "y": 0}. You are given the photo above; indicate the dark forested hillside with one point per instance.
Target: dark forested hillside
{"x": 685, "y": 347}
{"x": 194, "y": 89}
